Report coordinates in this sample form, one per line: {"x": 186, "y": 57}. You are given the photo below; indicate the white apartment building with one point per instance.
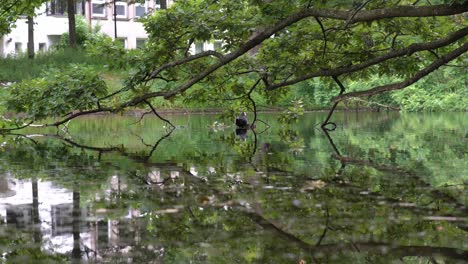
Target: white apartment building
{"x": 52, "y": 21}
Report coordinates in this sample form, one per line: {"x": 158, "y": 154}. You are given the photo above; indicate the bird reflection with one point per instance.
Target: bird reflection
{"x": 241, "y": 133}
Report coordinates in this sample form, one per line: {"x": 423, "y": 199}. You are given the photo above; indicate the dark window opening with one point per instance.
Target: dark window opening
{"x": 59, "y": 7}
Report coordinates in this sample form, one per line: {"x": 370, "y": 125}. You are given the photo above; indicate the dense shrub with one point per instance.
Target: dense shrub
{"x": 57, "y": 92}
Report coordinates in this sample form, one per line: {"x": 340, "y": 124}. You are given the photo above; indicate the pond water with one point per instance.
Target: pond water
{"x": 380, "y": 188}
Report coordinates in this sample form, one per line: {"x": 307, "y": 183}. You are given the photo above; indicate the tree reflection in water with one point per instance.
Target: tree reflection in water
{"x": 124, "y": 204}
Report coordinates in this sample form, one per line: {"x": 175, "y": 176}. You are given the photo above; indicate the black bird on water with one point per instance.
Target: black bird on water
{"x": 241, "y": 121}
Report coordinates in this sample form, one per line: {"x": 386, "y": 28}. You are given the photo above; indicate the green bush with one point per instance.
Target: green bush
{"x": 83, "y": 33}
{"x": 443, "y": 90}
{"x": 57, "y": 92}
{"x": 110, "y": 51}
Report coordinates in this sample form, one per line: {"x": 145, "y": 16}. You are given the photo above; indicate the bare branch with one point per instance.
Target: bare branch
{"x": 254, "y": 105}
{"x": 75, "y": 115}
{"x": 141, "y": 117}
{"x": 330, "y": 113}
{"x": 3, "y": 130}
{"x": 158, "y": 115}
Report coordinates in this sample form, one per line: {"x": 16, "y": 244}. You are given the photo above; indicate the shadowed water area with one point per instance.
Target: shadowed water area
{"x": 380, "y": 188}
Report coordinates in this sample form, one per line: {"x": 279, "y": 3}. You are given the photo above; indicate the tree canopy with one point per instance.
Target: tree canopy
{"x": 269, "y": 46}
{"x": 11, "y": 10}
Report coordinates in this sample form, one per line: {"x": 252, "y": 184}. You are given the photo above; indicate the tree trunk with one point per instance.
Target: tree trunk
{"x": 163, "y": 4}
{"x": 71, "y": 23}
{"x": 30, "y": 37}
{"x": 115, "y": 20}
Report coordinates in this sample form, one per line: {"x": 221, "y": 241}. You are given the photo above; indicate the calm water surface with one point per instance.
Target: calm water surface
{"x": 381, "y": 188}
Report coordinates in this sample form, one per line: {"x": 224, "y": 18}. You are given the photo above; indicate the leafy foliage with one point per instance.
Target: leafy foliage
{"x": 11, "y": 10}
{"x": 57, "y": 93}
{"x": 83, "y": 33}
{"x": 110, "y": 51}
{"x": 268, "y": 45}
{"x": 445, "y": 90}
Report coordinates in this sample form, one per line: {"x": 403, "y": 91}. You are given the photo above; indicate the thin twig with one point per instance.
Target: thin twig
{"x": 332, "y": 110}
{"x": 141, "y": 117}
{"x": 324, "y": 36}
{"x": 158, "y": 115}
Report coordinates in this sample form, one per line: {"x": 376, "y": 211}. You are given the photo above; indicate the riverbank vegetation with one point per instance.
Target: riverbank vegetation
{"x": 445, "y": 90}
{"x": 302, "y": 54}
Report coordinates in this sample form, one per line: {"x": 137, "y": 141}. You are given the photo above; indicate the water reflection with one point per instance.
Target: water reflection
{"x": 201, "y": 196}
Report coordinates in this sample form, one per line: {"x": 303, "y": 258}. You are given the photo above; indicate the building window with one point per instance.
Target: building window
{"x": 99, "y": 8}
{"x": 199, "y": 47}
{"x": 140, "y": 10}
{"x": 140, "y": 43}
{"x": 122, "y": 42}
{"x": 18, "y": 47}
{"x": 217, "y": 45}
{"x": 121, "y": 9}
{"x": 42, "y": 47}
{"x": 59, "y": 7}
{"x": 80, "y": 7}
{"x": 53, "y": 40}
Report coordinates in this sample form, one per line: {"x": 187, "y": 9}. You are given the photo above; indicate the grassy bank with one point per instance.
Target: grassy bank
{"x": 18, "y": 68}
{"x": 444, "y": 90}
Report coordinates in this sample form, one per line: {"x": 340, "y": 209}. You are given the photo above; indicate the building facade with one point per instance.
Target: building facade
{"x": 51, "y": 22}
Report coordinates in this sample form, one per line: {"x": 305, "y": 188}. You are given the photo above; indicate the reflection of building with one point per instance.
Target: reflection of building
{"x": 20, "y": 215}
{"x": 59, "y": 226}
{"x": 62, "y": 223}
{"x": 62, "y": 219}
{"x": 5, "y": 188}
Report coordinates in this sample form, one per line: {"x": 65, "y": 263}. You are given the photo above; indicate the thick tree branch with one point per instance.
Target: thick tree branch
{"x": 398, "y": 11}
{"x": 351, "y": 17}
{"x": 208, "y": 53}
{"x": 355, "y": 12}
{"x": 402, "y": 11}
{"x": 396, "y": 86}
{"x": 411, "y": 49}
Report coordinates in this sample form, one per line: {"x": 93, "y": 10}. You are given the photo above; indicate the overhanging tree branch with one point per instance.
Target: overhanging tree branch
{"x": 377, "y": 14}
{"x": 348, "y": 16}
{"x": 208, "y": 53}
{"x": 75, "y": 115}
{"x": 400, "y": 85}
{"x": 158, "y": 115}
{"x": 411, "y": 49}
